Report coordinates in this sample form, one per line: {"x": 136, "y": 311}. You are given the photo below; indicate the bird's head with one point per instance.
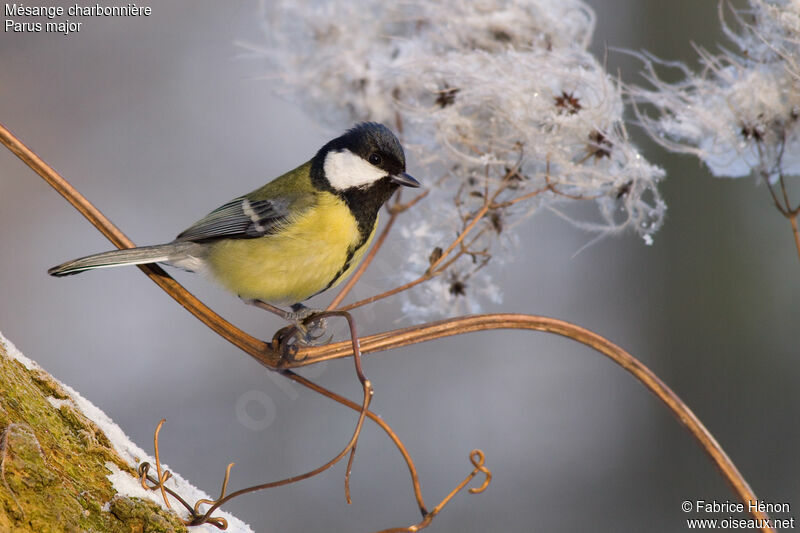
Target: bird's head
{"x": 366, "y": 156}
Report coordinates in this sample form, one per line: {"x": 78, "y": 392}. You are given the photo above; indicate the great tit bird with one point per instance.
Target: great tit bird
{"x": 296, "y": 236}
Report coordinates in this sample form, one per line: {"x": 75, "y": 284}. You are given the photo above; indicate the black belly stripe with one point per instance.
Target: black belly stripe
{"x": 350, "y": 253}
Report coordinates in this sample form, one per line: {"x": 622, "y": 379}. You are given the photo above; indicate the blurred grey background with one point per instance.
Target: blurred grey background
{"x": 157, "y": 121}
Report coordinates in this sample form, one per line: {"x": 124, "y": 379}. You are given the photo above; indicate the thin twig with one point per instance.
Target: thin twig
{"x": 552, "y": 188}
{"x": 375, "y": 418}
{"x": 765, "y": 174}
{"x": 162, "y": 478}
{"x": 785, "y": 194}
{"x": 361, "y": 378}
{"x": 785, "y": 208}
{"x": 487, "y": 204}
{"x": 164, "y": 475}
{"x": 398, "y": 207}
{"x": 223, "y": 490}
{"x": 423, "y": 278}
{"x": 791, "y": 214}
{"x": 477, "y": 459}
{"x": 526, "y": 196}
{"x": 144, "y": 477}
{"x": 795, "y": 232}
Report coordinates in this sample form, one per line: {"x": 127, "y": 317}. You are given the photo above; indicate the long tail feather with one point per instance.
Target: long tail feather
{"x": 131, "y": 256}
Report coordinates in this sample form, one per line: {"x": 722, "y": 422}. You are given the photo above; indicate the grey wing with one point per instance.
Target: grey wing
{"x": 241, "y": 218}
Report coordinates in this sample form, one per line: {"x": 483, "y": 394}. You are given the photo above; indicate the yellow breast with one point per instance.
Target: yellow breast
{"x": 307, "y": 255}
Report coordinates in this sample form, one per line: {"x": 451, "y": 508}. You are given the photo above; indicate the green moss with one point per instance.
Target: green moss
{"x": 52, "y": 465}
{"x": 141, "y": 515}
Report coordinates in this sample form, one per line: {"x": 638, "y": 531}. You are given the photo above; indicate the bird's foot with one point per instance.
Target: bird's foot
{"x": 305, "y": 331}
{"x": 310, "y": 330}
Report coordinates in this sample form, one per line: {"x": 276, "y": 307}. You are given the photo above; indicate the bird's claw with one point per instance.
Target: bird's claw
{"x": 308, "y": 331}
{"x": 315, "y": 328}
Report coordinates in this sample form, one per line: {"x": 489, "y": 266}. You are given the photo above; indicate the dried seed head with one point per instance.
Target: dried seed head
{"x": 496, "y": 97}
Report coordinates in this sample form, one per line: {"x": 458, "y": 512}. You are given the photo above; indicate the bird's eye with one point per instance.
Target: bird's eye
{"x": 375, "y": 159}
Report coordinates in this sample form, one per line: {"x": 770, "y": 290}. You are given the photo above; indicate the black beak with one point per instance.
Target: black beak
{"x": 407, "y": 180}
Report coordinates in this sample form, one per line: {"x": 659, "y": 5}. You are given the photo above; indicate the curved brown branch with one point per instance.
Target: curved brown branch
{"x": 457, "y": 326}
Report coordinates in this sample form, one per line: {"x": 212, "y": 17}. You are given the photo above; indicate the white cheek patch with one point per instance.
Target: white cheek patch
{"x": 345, "y": 170}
